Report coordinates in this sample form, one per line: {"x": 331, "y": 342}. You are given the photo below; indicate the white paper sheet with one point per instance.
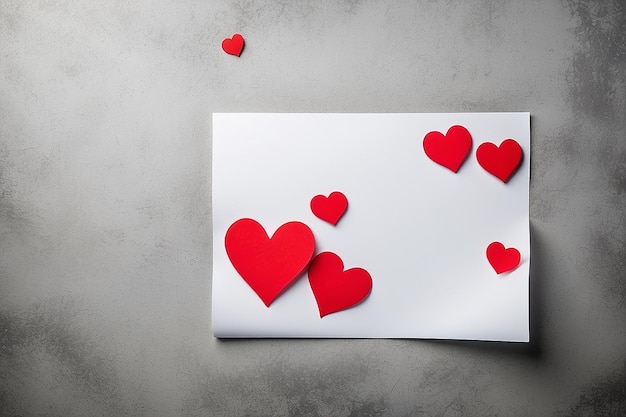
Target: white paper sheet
{"x": 419, "y": 229}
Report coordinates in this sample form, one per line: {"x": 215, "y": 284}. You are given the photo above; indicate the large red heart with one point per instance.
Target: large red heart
{"x": 500, "y": 161}
{"x": 269, "y": 265}
{"x": 502, "y": 259}
{"x": 449, "y": 150}
{"x": 335, "y": 289}
{"x": 234, "y": 45}
{"x": 329, "y": 208}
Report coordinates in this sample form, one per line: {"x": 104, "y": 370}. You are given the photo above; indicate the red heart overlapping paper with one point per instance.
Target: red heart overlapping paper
{"x": 335, "y": 289}
{"x": 267, "y": 264}
{"x": 501, "y": 161}
{"x": 502, "y": 259}
{"x": 329, "y": 208}
{"x": 449, "y": 150}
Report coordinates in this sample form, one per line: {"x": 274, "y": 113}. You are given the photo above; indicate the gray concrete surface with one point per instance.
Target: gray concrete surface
{"x": 105, "y": 215}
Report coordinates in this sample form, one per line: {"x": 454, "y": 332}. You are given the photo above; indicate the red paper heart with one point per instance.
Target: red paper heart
{"x": 500, "y": 161}
{"x": 449, "y": 150}
{"x": 269, "y": 265}
{"x": 501, "y": 259}
{"x": 335, "y": 289}
{"x": 329, "y": 208}
{"x": 234, "y": 45}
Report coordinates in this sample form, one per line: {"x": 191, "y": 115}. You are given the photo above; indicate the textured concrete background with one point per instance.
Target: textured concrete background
{"x": 105, "y": 215}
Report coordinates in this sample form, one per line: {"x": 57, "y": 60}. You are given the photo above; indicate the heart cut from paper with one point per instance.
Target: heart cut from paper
{"x": 502, "y": 259}
{"x": 234, "y": 45}
{"x": 267, "y": 264}
{"x": 449, "y": 150}
{"x": 502, "y": 161}
{"x": 335, "y": 289}
{"x": 331, "y": 208}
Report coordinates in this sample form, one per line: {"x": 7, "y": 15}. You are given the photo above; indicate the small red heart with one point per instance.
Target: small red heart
{"x": 501, "y": 259}
{"x": 329, "y": 208}
{"x": 500, "y": 161}
{"x": 449, "y": 150}
{"x": 234, "y": 45}
{"x": 335, "y": 289}
{"x": 269, "y": 265}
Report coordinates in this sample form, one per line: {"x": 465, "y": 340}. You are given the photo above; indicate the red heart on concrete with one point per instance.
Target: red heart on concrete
{"x": 335, "y": 289}
{"x": 329, "y": 208}
{"x": 502, "y": 259}
{"x": 234, "y": 45}
{"x": 267, "y": 264}
{"x": 449, "y": 150}
{"x": 500, "y": 161}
